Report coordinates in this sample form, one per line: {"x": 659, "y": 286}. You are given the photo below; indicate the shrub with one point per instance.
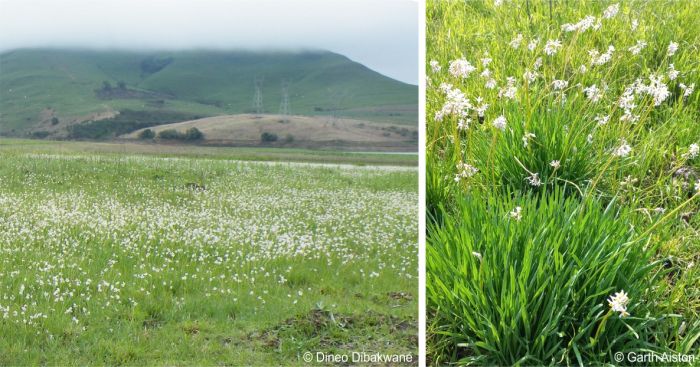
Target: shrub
{"x": 170, "y": 134}
{"x": 533, "y": 290}
{"x": 268, "y": 137}
{"x": 147, "y": 134}
{"x": 54, "y": 121}
{"x": 193, "y": 134}
{"x": 289, "y": 138}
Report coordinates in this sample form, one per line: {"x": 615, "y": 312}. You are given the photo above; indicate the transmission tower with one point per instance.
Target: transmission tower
{"x": 258, "y": 99}
{"x": 285, "y": 111}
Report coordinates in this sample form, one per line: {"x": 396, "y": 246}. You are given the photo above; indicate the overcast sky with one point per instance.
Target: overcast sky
{"x": 381, "y": 34}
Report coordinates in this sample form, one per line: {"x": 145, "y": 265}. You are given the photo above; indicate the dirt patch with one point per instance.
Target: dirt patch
{"x": 329, "y": 332}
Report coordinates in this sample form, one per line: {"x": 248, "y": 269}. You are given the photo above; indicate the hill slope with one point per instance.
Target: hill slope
{"x": 298, "y": 131}
{"x": 46, "y": 90}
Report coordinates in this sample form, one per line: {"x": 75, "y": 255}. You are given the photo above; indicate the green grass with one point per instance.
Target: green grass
{"x": 644, "y": 201}
{"x": 204, "y": 83}
{"x": 117, "y": 149}
{"x": 114, "y": 259}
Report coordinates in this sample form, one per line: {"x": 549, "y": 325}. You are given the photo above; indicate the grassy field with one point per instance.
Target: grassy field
{"x": 118, "y": 149}
{"x": 39, "y": 84}
{"x": 178, "y": 259}
{"x": 563, "y": 182}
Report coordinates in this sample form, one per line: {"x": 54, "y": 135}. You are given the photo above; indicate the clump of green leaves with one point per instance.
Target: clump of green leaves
{"x": 524, "y": 279}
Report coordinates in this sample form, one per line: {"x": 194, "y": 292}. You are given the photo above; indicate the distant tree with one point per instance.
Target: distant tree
{"x": 147, "y": 134}
{"x": 268, "y": 137}
{"x": 170, "y": 134}
{"x": 54, "y": 121}
{"x": 121, "y": 85}
{"x": 289, "y": 138}
{"x": 107, "y": 86}
{"x": 193, "y": 134}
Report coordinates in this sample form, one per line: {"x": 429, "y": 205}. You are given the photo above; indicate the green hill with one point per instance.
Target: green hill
{"x": 44, "y": 91}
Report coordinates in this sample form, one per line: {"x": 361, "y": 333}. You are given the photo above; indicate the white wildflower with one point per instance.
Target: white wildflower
{"x": 477, "y": 255}
{"x": 533, "y": 44}
{"x": 509, "y": 91}
{"x": 435, "y": 66}
{"x": 687, "y": 89}
{"x": 527, "y": 137}
{"x": 634, "y": 24}
{"x": 602, "y": 120}
{"x": 516, "y": 214}
{"x": 560, "y": 84}
{"x": 618, "y": 303}
{"x": 461, "y": 68}
{"x": 672, "y": 72}
{"x": 593, "y": 93}
{"x": 693, "y": 151}
{"x": 500, "y": 122}
{"x": 534, "y": 179}
{"x": 551, "y": 47}
{"x": 486, "y": 61}
{"x": 636, "y": 49}
{"x": 463, "y": 124}
{"x": 623, "y": 150}
{"x": 465, "y": 170}
{"x": 490, "y": 83}
{"x": 555, "y": 164}
{"x": 515, "y": 43}
{"x": 672, "y": 48}
{"x": 611, "y": 11}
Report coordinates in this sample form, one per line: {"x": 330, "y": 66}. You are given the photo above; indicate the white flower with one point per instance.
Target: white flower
{"x": 697, "y": 185}
{"x": 582, "y": 25}
{"x": 693, "y": 151}
{"x": 599, "y": 59}
{"x": 497, "y": 2}
{"x": 634, "y": 24}
{"x": 623, "y": 150}
{"x": 657, "y": 89}
{"x": 611, "y": 11}
{"x": 618, "y": 303}
{"x": 560, "y": 84}
{"x": 486, "y": 61}
{"x": 530, "y": 76}
{"x": 480, "y": 109}
{"x": 555, "y": 164}
{"x": 500, "y": 122}
{"x": 636, "y": 49}
{"x": 582, "y": 69}
{"x": 463, "y": 124}
{"x": 516, "y": 214}
{"x": 435, "y": 66}
{"x": 490, "y": 83}
{"x": 593, "y": 93}
{"x": 533, "y": 44}
{"x": 687, "y": 89}
{"x": 509, "y": 91}
{"x": 534, "y": 179}
{"x": 461, "y": 68}
{"x": 477, "y": 255}
{"x": 456, "y": 103}
{"x": 672, "y": 48}
{"x": 527, "y": 137}
{"x": 515, "y": 43}
{"x": 672, "y": 72}
{"x": 465, "y": 170}
{"x": 602, "y": 120}
{"x": 551, "y": 47}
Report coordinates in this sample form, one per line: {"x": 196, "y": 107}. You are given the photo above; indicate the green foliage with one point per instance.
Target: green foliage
{"x": 170, "y": 134}
{"x": 147, "y": 134}
{"x": 125, "y": 122}
{"x": 193, "y": 134}
{"x": 602, "y": 180}
{"x": 539, "y": 283}
{"x": 268, "y": 137}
